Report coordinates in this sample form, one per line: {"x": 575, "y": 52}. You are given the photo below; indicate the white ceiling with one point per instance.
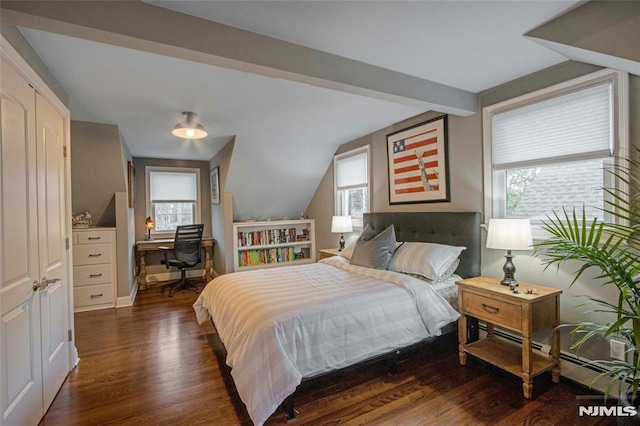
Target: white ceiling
{"x": 286, "y": 132}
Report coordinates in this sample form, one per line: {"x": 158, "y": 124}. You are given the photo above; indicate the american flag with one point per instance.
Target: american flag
{"x": 415, "y": 163}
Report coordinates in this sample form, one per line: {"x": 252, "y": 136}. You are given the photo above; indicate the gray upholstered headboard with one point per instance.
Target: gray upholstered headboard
{"x": 452, "y": 228}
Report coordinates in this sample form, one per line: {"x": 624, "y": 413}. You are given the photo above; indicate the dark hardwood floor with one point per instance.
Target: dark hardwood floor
{"x": 152, "y": 364}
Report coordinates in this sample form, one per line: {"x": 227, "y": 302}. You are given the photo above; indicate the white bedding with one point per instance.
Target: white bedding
{"x": 282, "y": 324}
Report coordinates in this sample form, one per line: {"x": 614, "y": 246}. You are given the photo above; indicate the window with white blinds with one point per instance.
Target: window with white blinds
{"x": 173, "y": 186}
{"x": 548, "y": 151}
{"x": 351, "y": 171}
{"x": 575, "y": 124}
{"x": 173, "y": 197}
{"x": 351, "y": 177}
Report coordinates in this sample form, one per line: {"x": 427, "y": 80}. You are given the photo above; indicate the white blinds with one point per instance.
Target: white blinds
{"x": 351, "y": 170}
{"x": 577, "y": 123}
{"x": 172, "y": 186}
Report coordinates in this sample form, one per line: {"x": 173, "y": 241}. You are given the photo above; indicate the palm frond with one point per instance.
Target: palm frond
{"x": 612, "y": 251}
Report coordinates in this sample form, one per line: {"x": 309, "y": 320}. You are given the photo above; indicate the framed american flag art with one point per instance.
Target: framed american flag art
{"x": 418, "y": 163}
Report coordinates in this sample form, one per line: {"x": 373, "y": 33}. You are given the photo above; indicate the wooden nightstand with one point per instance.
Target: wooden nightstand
{"x": 485, "y": 299}
{"x": 327, "y": 253}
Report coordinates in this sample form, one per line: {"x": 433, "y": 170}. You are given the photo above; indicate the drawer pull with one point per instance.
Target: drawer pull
{"x": 490, "y": 309}
{"x": 95, "y": 275}
{"x": 94, "y": 238}
{"x": 96, "y": 296}
{"x": 95, "y": 254}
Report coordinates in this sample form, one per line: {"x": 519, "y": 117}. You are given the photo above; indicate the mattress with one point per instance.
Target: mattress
{"x": 284, "y": 324}
{"x": 448, "y": 290}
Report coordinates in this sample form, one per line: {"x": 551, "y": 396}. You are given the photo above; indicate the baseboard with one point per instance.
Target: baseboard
{"x": 126, "y": 301}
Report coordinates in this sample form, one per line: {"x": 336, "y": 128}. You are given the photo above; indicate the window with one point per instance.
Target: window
{"x": 173, "y": 197}
{"x": 549, "y": 150}
{"x": 351, "y": 177}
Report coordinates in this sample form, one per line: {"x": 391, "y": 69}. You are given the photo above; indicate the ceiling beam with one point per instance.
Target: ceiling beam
{"x": 604, "y": 33}
{"x": 141, "y": 26}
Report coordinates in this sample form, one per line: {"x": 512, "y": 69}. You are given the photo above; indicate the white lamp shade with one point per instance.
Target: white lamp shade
{"x": 341, "y": 224}
{"x": 509, "y": 234}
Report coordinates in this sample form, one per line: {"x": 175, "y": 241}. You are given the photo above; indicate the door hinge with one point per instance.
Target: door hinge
{"x": 66, "y": 243}
{"x": 64, "y": 151}
{"x": 70, "y": 334}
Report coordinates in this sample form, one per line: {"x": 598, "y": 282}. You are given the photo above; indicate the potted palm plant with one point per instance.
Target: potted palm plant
{"x": 612, "y": 249}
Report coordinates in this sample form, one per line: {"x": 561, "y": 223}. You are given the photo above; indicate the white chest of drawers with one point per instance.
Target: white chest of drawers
{"x": 94, "y": 269}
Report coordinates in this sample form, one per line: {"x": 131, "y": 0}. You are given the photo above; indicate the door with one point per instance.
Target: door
{"x": 21, "y": 384}
{"x": 54, "y": 305}
{"x": 34, "y": 351}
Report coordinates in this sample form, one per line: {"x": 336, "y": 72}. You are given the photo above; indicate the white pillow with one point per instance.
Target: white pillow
{"x": 430, "y": 260}
{"x": 347, "y": 252}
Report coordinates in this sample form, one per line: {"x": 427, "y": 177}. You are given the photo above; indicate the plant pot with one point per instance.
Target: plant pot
{"x": 625, "y": 401}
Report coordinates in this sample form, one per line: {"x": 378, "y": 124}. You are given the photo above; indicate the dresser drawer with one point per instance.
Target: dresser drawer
{"x": 493, "y": 311}
{"x": 93, "y": 295}
{"x": 94, "y": 237}
{"x": 92, "y": 274}
{"x": 91, "y": 254}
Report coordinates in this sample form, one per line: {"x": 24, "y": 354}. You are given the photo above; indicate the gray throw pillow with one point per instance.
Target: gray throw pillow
{"x": 367, "y": 234}
{"x": 374, "y": 251}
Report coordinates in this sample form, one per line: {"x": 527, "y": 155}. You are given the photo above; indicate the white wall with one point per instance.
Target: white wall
{"x": 222, "y": 214}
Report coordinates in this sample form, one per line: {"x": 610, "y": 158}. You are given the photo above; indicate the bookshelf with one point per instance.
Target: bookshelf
{"x": 267, "y": 244}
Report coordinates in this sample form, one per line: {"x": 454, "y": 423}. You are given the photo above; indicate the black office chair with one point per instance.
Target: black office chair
{"x": 186, "y": 254}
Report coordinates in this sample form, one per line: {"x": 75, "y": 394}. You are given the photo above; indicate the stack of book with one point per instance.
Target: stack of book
{"x": 264, "y": 256}
{"x": 270, "y": 236}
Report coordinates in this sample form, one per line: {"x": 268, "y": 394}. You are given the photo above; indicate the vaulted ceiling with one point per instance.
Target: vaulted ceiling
{"x": 290, "y": 81}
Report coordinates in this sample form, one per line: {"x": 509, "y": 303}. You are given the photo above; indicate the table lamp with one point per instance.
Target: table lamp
{"x": 150, "y": 225}
{"x": 341, "y": 224}
{"x": 509, "y": 234}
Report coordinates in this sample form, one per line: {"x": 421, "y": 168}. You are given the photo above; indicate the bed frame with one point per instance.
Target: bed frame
{"x": 451, "y": 228}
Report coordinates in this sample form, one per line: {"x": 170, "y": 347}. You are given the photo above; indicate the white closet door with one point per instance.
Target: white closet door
{"x": 54, "y": 305}
{"x": 20, "y": 346}
{"x": 34, "y": 343}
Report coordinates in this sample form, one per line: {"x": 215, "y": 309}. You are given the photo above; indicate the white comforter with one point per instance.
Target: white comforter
{"x": 282, "y": 324}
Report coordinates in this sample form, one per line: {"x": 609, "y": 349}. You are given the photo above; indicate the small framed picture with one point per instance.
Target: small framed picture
{"x": 131, "y": 184}
{"x": 215, "y": 186}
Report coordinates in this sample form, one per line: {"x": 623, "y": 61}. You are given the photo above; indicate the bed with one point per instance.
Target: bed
{"x": 283, "y": 325}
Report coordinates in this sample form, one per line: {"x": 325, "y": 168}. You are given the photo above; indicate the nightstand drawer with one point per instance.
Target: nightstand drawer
{"x": 493, "y": 311}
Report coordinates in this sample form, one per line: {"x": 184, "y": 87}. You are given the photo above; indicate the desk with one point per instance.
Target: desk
{"x": 154, "y": 245}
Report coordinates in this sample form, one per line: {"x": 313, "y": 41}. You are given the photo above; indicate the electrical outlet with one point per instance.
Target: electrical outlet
{"x": 618, "y": 350}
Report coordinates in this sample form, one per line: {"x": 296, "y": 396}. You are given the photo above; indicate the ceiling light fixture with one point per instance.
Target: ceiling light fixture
{"x": 189, "y": 129}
